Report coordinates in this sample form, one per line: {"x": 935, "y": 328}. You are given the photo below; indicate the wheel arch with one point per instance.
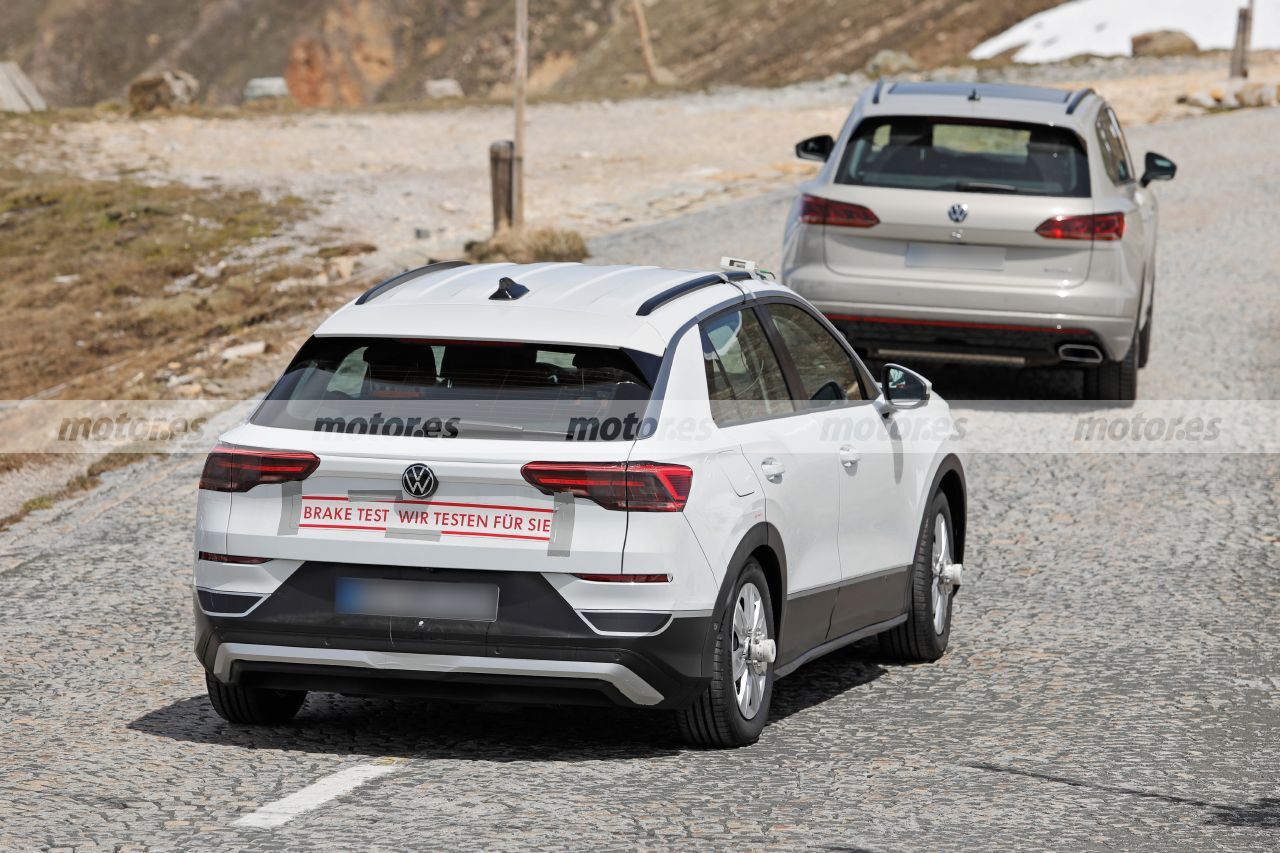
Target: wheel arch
{"x": 764, "y": 543}
{"x": 949, "y": 480}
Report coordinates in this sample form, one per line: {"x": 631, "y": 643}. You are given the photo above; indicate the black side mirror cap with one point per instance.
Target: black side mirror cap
{"x": 1158, "y": 168}
{"x": 816, "y": 148}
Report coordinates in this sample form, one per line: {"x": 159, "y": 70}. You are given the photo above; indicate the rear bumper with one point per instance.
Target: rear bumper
{"x": 538, "y": 649}
{"x": 1025, "y": 322}
{"x": 1014, "y": 344}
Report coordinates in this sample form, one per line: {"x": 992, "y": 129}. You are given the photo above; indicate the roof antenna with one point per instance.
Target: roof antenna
{"x": 508, "y": 289}
{"x": 973, "y": 96}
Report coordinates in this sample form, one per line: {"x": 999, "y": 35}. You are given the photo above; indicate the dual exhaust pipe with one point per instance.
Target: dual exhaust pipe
{"x": 1080, "y": 353}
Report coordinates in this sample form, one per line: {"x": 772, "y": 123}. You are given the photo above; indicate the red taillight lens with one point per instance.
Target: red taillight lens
{"x": 638, "y": 486}
{"x": 625, "y": 578}
{"x": 229, "y": 558}
{"x": 823, "y": 211}
{"x": 1097, "y": 226}
{"x": 239, "y": 469}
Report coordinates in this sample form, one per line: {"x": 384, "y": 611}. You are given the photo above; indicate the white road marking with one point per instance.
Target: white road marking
{"x": 317, "y": 794}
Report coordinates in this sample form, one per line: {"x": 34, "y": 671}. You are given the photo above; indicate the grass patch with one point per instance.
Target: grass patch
{"x": 529, "y": 245}
{"x": 83, "y": 483}
{"x": 119, "y": 276}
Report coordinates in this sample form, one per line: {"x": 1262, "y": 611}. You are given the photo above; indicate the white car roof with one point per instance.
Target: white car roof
{"x": 1000, "y": 101}
{"x": 565, "y": 303}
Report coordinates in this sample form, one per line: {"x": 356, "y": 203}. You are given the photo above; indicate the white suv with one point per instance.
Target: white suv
{"x": 574, "y": 484}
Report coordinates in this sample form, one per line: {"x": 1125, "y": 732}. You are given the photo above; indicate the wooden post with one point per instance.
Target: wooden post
{"x": 1244, "y": 35}
{"x": 501, "y": 163}
{"x": 522, "y": 76}
{"x": 646, "y": 47}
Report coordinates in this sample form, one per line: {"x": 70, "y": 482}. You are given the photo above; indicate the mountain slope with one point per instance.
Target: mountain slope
{"x": 82, "y": 51}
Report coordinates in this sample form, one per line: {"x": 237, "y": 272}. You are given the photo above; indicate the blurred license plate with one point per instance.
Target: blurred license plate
{"x": 943, "y": 256}
{"x": 475, "y": 602}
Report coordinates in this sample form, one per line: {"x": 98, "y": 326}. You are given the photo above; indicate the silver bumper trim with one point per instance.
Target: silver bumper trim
{"x": 630, "y": 685}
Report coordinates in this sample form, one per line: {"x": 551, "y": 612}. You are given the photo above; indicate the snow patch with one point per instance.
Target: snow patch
{"x": 1104, "y": 27}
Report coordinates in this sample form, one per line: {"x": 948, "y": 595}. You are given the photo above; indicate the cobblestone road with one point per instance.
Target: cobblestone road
{"x": 1113, "y": 680}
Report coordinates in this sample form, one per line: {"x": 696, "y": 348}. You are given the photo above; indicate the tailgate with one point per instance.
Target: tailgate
{"x": 482, "y": 514}
{"x": 994, "y": 243}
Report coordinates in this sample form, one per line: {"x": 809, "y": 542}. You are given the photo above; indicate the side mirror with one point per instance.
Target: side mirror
{"x": 815, "y": 148}
{"x": 903, "y": 388}
{"x": 1158, "y": 168}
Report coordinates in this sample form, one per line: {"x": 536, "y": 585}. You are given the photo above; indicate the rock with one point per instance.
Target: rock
{"x": 1199, "y": 99}
{"x": 244, "y": 350}
{"x": 189, "y": 392}
{"x": 165, "y": 90}
{"x": 265, "y": 87}
{"x": 345, "y": 61}
{"x": 1256, "y": 95}
{"x": 890, "y": 62}
{"x": 664, "y": 76}
{"x": 443, "y": 87}
{"x": 1163, "y": 43}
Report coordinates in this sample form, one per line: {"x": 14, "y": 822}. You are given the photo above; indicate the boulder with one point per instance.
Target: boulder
{"x": 442, "y": 87}
{"x": 1163, "y": 43}
{"x": 1256, "y": 95}
{"x": 165, "y": 90}
{"x": 887, "y": 62}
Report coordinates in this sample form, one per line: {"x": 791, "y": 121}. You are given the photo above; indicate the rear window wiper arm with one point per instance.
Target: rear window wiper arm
{"x": 984, "y": 187}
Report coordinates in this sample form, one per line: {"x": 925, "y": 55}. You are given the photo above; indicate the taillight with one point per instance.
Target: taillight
{"x": 1096, "y": 226}
{"x": 638, "y": 486}
{"x": 239, "y": 469}
{"x": 824, "y": 211}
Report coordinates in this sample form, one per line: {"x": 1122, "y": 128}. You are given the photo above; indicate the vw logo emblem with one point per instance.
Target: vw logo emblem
{"x": 958, "y": 212}
{"x": 419, "y": 481}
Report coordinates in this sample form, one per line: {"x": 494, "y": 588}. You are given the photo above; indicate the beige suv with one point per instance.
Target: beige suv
{"x": 982, "y": 223}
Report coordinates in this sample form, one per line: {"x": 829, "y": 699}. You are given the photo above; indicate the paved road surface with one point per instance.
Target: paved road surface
{"x": 1113, "y": 680}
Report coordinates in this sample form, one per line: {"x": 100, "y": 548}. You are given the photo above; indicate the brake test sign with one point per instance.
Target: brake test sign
{"x": 443, "y": 518}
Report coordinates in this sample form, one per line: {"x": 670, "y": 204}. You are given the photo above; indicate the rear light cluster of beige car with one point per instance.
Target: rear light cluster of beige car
{"x": 822, "y": 211}
{"x": 1097, "y": 226}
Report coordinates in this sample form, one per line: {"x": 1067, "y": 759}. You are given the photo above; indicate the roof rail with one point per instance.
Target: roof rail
{"x": 653, "y": 303}
{"x": 875, "y": 96}
{"x": 409, "y": 275}
{"x": 1076, "y": 99}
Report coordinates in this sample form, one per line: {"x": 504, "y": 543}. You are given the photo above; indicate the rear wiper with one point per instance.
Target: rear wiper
{"x": 984, "y": 187}
{"x": 491, "y": 427}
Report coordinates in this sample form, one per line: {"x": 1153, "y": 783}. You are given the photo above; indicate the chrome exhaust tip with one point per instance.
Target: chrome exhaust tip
{"x": 1082, "y": 353}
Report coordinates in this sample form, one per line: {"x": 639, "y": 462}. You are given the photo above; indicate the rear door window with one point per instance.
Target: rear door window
{"x": 446, "y": 389}
{"x": 965, "y": 155}
{"x": 744, "y": 378}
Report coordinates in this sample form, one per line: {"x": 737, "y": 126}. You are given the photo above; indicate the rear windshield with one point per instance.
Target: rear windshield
{"x": 965, "y": 155}
{"x": 460, "y": 389}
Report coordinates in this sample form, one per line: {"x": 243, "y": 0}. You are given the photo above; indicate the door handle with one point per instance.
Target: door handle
{"x": 773, "y": 469}
{"x": 849, "y": 457}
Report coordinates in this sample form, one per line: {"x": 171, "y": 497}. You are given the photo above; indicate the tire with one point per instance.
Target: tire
{"x": 1115, "y": 380}
{"x": 253, "y": 706}
{"x": 919, "y": 640}
{"x": 716, "y": 719}
{"x": 1144, "y": 338}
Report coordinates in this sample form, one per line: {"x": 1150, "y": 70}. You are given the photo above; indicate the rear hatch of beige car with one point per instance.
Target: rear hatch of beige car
{"x": 956, "y": 200}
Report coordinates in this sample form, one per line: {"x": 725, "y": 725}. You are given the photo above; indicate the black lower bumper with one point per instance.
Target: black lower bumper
{"x": 534, "y": 625}
{"x": 1034, "y": 346}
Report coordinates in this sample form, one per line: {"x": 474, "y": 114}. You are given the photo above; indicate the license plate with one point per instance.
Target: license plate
{"x": 471, "y": 602}
{"x": 943, "y": 256}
